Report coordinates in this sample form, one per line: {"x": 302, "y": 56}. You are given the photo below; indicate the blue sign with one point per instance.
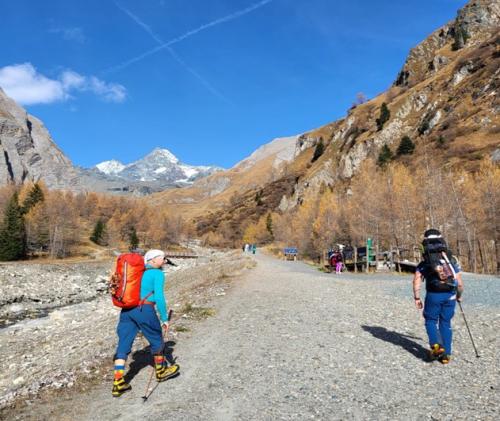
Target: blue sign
{"x": 291, "y": 250}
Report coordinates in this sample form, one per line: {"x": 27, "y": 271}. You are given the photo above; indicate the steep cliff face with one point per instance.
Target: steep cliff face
{"x": 27, "y": 152}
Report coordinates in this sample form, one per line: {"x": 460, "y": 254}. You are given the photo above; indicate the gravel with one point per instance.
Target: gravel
{"x": 288, "y": 342}
{"x": 74, "y": 332}
{"x": 31, "y": 290}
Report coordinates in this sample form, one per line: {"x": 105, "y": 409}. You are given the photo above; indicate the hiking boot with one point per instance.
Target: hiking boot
{"x": 164, "y": 372}
{"x": 445, "y": 359}
{"x": 436, "y": 351}
{"x": 120, "y": 386}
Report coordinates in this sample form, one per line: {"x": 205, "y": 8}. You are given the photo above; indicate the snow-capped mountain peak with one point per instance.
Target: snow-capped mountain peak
{"x": 159, "y": 166}
{"x": 111, "y": 167}
{"x": 161, "y": 154}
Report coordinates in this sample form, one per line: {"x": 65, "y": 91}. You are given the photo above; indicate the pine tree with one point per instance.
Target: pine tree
{"x": 385, "y": 114}
{"x": 13, "y": 232}
{"x": 406, "y": 146}
{"x": 320, "y": 148}
{"x": 460, "y": 36}
{"x": 258, "y": 198}
{"x": 98, "y": 235}
{"x": 384, "y": 156}
{"x": 35, "y": 195}
{"x": 269, "y": 225}
{"x": 133, "y": 239}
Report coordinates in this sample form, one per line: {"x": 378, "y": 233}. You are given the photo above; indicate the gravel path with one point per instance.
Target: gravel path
{"x": 288, "y": 342}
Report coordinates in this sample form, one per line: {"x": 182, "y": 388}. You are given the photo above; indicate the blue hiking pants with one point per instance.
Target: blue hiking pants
{"x": 439, "y": 309}
{"x": 133, "y": 320}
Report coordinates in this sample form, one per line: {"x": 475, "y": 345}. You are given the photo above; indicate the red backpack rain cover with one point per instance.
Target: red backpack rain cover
{"x": 125, "y": 282}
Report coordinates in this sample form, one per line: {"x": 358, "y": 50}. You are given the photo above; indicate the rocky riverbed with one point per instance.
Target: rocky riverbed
{"x": 31, "y": 290}
{"x": 58, "y": 324}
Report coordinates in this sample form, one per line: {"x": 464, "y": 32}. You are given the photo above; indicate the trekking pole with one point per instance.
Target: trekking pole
{"x": 468, "y": 330}
{"x": 146, "y": 395}
{"x": 460, "y": 305}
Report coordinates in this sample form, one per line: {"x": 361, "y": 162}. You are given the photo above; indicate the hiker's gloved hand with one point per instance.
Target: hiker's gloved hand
{"x": 418, "y": 304}
{"x": 459, "y": 295}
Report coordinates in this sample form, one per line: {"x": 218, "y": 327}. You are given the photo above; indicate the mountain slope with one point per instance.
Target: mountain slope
{"x": 265, "y": 165}
{"x": 445, "y": 99}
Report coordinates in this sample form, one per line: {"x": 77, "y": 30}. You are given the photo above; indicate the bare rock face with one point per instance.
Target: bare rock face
{"x": 474, "y": 23}
{"x": 27, "y": 152}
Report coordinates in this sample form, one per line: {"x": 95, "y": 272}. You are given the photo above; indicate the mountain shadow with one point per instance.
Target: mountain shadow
{"x": 396, "y": 338}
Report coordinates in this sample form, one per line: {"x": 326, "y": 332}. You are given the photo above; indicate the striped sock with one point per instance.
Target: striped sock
{"x": 159, "y": 361}
{"x": 119, "y": 370}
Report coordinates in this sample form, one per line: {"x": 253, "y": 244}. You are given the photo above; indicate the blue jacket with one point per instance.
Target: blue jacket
{"x": 153, "y": 281}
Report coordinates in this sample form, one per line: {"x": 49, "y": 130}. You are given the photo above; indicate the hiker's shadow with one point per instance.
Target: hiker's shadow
{"x": 396, "y": 338}
{"x": 143, "y": 358}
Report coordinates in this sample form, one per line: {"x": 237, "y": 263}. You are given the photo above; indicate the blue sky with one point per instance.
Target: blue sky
{"x": 210, "y": 80}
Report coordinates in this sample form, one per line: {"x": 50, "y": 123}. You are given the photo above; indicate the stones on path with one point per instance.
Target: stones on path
{"x": 76, "y": 332}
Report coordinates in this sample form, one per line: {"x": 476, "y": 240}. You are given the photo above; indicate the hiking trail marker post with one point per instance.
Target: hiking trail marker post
{"x": 368, "y": 249}
{"x": 290, "y": 253}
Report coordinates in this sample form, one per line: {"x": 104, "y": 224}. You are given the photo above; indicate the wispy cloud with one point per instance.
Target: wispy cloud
{"x": 176, "y": 57}
{"x": 71, "y": 34}
{"x": 27, "y": 86}
{"x": 190, "y": 33}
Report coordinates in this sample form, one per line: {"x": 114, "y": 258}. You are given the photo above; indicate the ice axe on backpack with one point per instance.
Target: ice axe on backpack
{"x": 169, "y": 262}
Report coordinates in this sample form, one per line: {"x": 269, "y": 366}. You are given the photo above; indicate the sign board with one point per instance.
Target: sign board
{"x": 290, "y": 250}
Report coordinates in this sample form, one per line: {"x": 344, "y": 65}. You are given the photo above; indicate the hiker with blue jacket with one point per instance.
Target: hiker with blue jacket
{"x": 444, "y": 287}
{"x": 144, "y": 318}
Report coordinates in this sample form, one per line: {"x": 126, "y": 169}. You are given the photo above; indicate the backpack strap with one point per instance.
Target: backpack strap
{"x": 145, "y": 299}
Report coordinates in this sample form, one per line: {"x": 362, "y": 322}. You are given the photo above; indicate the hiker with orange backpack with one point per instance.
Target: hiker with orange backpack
{"x": 444, "y": 287}
{"x": 137, "y": 287}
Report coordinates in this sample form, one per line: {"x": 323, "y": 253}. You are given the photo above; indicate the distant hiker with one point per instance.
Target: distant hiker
{"x": 254, "y": 248}
{"x": 338, "y": 264}
{"x": 444, "y": 286}
{"x": 142, "y": 317}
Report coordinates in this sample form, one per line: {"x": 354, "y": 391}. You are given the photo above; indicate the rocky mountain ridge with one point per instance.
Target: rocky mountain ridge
{"x": 160, "y": 165}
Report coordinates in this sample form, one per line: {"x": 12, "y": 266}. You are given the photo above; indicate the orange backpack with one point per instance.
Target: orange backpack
{"x": 125, "y": 282}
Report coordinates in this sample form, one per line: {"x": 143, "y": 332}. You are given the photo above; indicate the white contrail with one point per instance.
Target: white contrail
{"x": 140, "y": 23}
{"x": 190, "y": 33}
{"x": 148, "y": 29}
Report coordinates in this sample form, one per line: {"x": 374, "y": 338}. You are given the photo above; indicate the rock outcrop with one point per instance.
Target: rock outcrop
{"x": 474, "y": 23}
{"x": 27, "y": 152}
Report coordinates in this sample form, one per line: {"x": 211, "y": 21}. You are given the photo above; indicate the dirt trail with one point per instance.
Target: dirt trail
{"x": 289, "y": 342}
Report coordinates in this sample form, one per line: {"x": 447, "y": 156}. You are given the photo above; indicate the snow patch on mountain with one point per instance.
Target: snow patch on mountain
{"x": 110, "y": 167}
{"x": 160, "y": 165}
